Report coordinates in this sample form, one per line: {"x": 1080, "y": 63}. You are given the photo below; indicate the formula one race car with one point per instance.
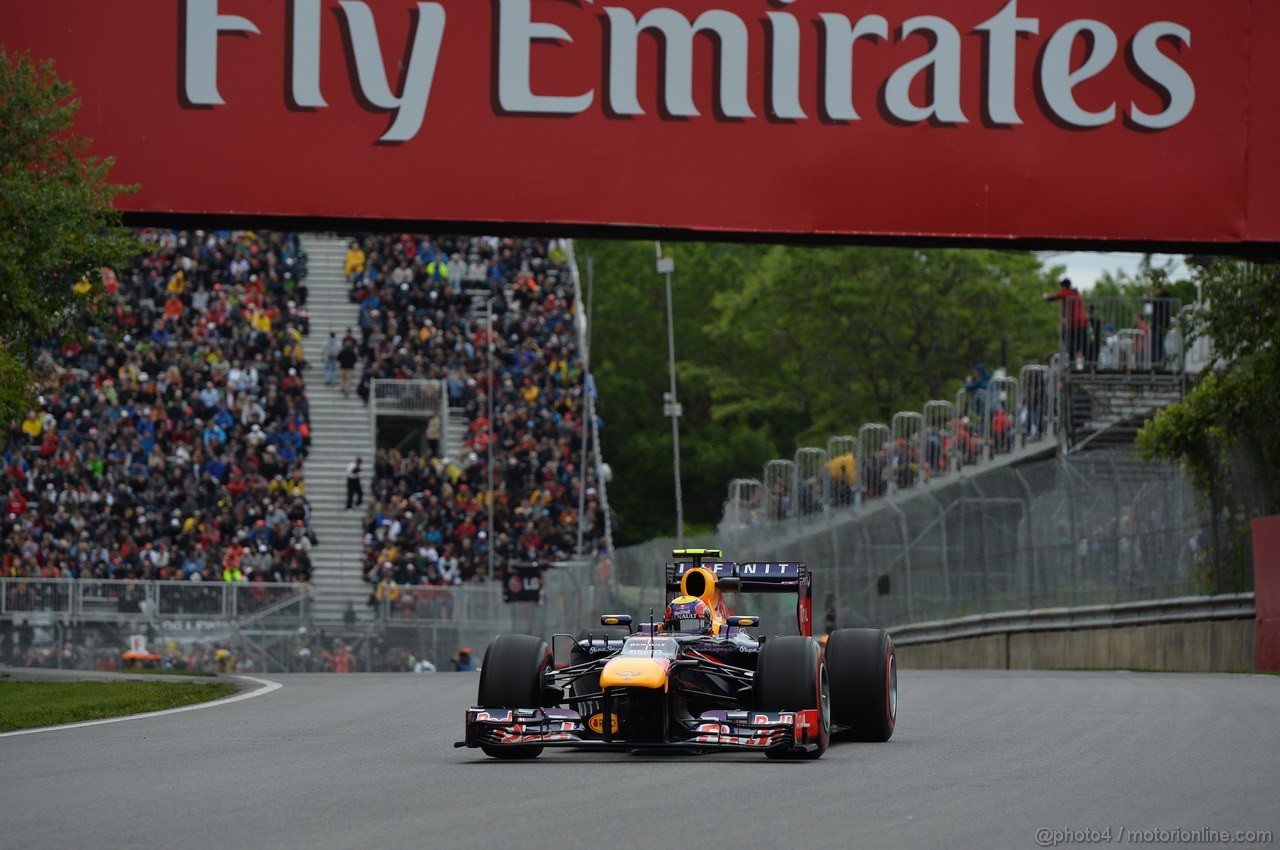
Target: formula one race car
{"x": 696, "y": 680}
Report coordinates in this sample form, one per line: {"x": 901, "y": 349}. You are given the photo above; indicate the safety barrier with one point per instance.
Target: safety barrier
{"x": 116, "y": 601}
{"x": 416, "y": 398}
{"x": 1229, "y": 606}
{"x": 1127, "y": 334}
{"x": 1200, "y": 633}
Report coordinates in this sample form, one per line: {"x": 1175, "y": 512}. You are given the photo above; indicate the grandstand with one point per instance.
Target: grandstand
{"x": 489, "y": 329}
{"x": 170, "y": 446}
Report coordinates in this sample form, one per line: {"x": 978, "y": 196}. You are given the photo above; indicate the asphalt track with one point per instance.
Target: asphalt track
{"x": 980, "y": 759}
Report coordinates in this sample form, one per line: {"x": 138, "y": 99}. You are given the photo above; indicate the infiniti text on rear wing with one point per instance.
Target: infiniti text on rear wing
{"x": 753, "y": 576}
{"x": 756, "y": 577}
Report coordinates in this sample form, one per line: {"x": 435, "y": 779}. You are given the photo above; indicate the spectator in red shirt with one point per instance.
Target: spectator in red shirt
{"x": 1075, "y": 321}
{"x": 16, "y": 504}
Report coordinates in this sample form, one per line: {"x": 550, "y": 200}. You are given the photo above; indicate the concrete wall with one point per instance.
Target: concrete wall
{"x": 1204, "y": 646}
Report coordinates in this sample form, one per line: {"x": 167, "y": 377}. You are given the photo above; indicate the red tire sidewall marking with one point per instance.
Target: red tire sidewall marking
{"x": 889, "y": 664}
{"x": 824, "y": 729}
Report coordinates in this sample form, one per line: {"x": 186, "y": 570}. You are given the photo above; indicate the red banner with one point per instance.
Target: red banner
{"x": 1266, "y": 594}
{"x": 1152, "y": 121}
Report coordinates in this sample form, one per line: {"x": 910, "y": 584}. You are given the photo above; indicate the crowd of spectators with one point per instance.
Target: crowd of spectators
{"x": 423, "y": 305}
{"x": 168, "y": 443}
{"x": 991, "y": 417}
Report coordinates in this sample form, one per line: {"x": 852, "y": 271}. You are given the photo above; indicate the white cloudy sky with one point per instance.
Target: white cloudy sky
{"x": 1084, "y": 268}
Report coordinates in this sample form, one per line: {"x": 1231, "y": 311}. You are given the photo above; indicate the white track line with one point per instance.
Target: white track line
{"x": 267, "y": 687}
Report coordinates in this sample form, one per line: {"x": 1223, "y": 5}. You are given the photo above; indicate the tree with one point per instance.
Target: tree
{"x": 1146, "y": 279}
{"x": 58, "y": 223}
{"x": 776, "y": 344}
{"x": 629, "y": 359}
{"x": 830, "y": 338}
{"x": 1224, "y": 433}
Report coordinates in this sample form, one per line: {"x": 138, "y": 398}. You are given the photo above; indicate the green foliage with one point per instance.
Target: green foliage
{"x": 57, "y": 221}
{"x": 834, "y": 337}
{"x": 777, "y": 343}
{"x": 629, "y": 359}
{"x": 1149, "y": 277}
{"x": 1224, "y": 434}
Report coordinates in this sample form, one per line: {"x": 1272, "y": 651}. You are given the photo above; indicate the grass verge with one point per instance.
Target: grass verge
{"x": 28, "y": 705}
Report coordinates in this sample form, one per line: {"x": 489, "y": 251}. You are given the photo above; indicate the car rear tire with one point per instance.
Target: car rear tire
{"x": 864, "y": 683}
{"x": 791, "y": 675}
{"x": 511, "y": 677}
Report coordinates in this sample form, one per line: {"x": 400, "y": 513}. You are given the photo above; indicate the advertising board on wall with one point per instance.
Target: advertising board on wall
{"x": 1149, "y": 121}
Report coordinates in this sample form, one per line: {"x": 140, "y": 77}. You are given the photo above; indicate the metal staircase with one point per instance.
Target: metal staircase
{"x": 341, "y": 429}
{"x": 1108, "y": 409}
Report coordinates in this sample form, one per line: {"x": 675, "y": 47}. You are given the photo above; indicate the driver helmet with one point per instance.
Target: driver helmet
{"x": 689, "y": 615}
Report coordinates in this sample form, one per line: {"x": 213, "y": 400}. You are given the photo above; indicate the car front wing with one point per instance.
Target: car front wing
{"x": 758, "y": 731}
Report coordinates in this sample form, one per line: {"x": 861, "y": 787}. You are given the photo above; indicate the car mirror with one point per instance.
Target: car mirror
{"x": 562, "y": 647}
{"x": 616, "y": 620}
{"x": 744, "y": 622}
{"x": 729, "y": 585}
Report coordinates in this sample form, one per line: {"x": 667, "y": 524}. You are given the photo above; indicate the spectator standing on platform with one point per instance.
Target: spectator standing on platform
{"x": 433, "y": 434}
{"x": 1075, "y": 321}
{"x": 332, "y": 348}
{"x": 355, "y": 490}
{"x": 462, "y": 661}
{"x": 1037, "y": 392}
{"x": 979, "y": 388}
{"x": 347, "y": 365}
{"x": 1161, "y": 318}
{"x": 1094, "y": 345}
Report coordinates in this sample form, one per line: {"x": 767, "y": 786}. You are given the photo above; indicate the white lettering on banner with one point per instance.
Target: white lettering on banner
{"x": 516, "y": 32}
{"x": 304, "y": 86}
{"x": 411, "y": 106}
{"x": 677, "y": 36}
{"x": 784, "y": 97}
{"x": 942, "y": 63}
{"x": 1057, "y": 79}
{"x": 840, "y": 37}
{"x": 1002, "y": 32}
{"x": 204, "y": 25}
{"x": 1165, "y": 73}
{"x": 622, "y": 31}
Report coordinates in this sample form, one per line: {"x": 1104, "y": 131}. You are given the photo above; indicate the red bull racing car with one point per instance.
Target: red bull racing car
{"x": 699, "y": 679}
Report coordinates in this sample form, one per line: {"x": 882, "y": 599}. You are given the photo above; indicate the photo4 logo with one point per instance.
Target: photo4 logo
{"x": 785, "y": 61}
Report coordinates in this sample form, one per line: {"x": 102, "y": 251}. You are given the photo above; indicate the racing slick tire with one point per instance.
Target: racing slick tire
{"x": 791, "y": 675}
{"x": 864, "y": 683}
{"x": 511, "y": 677}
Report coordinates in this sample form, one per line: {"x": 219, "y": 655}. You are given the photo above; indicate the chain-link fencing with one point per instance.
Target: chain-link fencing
{"x": 1103, "y": 527}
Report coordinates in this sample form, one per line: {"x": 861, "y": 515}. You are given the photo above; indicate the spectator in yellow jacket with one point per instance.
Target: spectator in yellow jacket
{"x": 32, "y": 426}
{"x": 355, "y": 261}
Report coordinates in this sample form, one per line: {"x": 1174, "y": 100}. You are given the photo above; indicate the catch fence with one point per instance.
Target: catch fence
{"x": 1102, "y": 527}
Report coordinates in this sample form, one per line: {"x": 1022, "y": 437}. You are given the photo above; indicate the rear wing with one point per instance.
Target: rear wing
{"x": 751, "y": 577}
